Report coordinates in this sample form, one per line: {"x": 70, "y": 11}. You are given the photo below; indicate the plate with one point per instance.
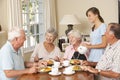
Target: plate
{"x": 69, "y": 73}
{"x": 77, "y": 68}
{"x": 54, "y": 74}
{"x": 46, "y": 69}
{"x": 49, "y": 62}
{"x": 75, "y": 62}
{"x": 58, "y": 67}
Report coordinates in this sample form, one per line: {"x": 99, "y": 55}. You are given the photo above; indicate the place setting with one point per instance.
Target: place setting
{"x": 69, "y": 70}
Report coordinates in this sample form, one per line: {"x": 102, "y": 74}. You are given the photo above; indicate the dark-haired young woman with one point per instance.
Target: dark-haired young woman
{"x": 97, "y": 35}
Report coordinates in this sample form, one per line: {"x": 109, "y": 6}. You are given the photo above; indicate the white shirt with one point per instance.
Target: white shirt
{"x": 43, "y": 53}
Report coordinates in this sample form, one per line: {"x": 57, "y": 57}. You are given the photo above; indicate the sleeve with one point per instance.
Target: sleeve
{"x": 58, "y": 52}
{"x": 35, "y": 52}
{"x": 103, "y": 29}
{"x": 7, "y": 61}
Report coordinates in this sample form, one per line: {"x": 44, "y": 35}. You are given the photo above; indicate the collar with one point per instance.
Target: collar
{"x": 114, "y": 45}
{"x": 13, "y": 50}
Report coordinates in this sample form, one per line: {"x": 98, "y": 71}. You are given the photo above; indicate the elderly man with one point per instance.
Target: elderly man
{"x": 109, "y": 65}
{"x": 11, "y": 61}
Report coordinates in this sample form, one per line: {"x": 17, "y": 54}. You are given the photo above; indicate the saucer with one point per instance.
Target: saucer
{"x": 65, "y": 65}
{"x": 58, "y": 67}
{"x": 59, "y": 73}
{"x": 69, "y": 73}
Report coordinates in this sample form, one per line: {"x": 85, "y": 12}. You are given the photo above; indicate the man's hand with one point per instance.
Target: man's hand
{"x": 92, "y": 70}
{"x": 32, "y": 70}
{"x": 86, "y": 63}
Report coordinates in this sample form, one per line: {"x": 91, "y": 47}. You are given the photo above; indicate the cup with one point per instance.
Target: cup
{"x": 66, "y": 63}
{"x": 69, "y": 69}
{"x": 56, "y": 64}
{"x": 54, "y": 70}
{"x": 82, "y": 49}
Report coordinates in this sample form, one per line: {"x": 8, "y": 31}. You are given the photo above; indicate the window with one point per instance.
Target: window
{"x": 33, "y": 22}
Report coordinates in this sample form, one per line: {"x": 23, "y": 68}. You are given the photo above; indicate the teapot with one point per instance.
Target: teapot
{"x": 82, "y": 49}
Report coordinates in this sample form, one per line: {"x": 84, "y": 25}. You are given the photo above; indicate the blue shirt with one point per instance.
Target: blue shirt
{"x": 10, "y": 60}
{"x": 96, "y": 38}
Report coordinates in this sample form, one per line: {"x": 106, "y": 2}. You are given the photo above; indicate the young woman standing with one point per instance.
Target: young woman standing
{"x": 97, "y": 35}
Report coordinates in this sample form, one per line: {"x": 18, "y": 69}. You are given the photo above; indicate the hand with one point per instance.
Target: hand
{"x": 86, "y": 44}
{"x": 92, "y": 70}
{"x": 36, "y": 58}
{"x": 62, "y": 59}
{"x": 42, "y": 63}
{"x": 32, "y": 70}
{"x": 86, "y": 63}
{"x": 57, "y": 58}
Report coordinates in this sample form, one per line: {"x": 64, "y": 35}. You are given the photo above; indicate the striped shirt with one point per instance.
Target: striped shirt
{"x": 110, "y": 60}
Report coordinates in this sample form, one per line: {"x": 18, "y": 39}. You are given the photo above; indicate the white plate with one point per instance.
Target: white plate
{"x": 69, "y": 73}
{"x": 58, "y": 67}
{"x": 54, "y": 74}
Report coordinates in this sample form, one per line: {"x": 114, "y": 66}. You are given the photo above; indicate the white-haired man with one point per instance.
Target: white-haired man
{"x": 11, "y": 61}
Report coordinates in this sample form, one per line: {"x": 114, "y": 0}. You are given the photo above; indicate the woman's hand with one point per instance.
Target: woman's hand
{"x": 57, "y": 58}
{"x": 36, "y": 58}
{"x": 86, "y": 44}
{"x": 42, "y": 63}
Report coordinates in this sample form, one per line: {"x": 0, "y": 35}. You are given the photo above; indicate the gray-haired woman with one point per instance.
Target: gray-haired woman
{"x": 47, "y": 50}
{"x": 71, "y": 51}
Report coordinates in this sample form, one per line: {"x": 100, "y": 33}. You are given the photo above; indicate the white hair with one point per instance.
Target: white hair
{"x": 14, "y": 32}
{"x": 75, "y": 33}
{"x": 52, "y": 31}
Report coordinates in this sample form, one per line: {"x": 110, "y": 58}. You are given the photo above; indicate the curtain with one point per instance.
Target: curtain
{"x": 14, "y": 13}
{"x": 50, "y": 14}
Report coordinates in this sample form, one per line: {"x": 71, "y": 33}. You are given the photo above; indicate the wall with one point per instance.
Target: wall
{"x": 3, "y": 21}
{"x": 108, "y": 9}
{"x": 3, "y": 14}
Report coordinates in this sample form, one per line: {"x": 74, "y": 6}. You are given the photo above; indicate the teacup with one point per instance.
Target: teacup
{"x": 56, "y": 64}
{"x": 66, "y": 63}
{"x": 54, "y": 70}
{"x": 69, "y": 69}
{"x": 82, "y": 49}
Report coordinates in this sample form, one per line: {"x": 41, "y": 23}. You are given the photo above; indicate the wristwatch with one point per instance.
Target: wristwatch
{"x": 99, "y": 71}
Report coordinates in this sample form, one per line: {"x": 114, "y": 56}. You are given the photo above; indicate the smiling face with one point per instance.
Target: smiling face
{"x": 49, "y": 38}
{"x": 73, "y": 40}
{"x": 92, "y": 17}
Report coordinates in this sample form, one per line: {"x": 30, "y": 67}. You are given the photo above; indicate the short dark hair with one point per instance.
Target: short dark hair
{"x": 115, "y": 28}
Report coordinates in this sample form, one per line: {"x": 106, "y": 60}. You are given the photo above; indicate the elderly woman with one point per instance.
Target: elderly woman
{"x": 75, "y": 41}
{"x": 47, "y": 50}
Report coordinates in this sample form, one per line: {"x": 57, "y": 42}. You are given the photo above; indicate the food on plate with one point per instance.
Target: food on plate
{"x": 74, "y": 61}
{"x": 77, "y": 68}
{"x": 49, "y": 62}
{"x": 46, "y": 69}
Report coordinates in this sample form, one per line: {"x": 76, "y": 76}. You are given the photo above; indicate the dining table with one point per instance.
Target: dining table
{"x": 78, "y": 75}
